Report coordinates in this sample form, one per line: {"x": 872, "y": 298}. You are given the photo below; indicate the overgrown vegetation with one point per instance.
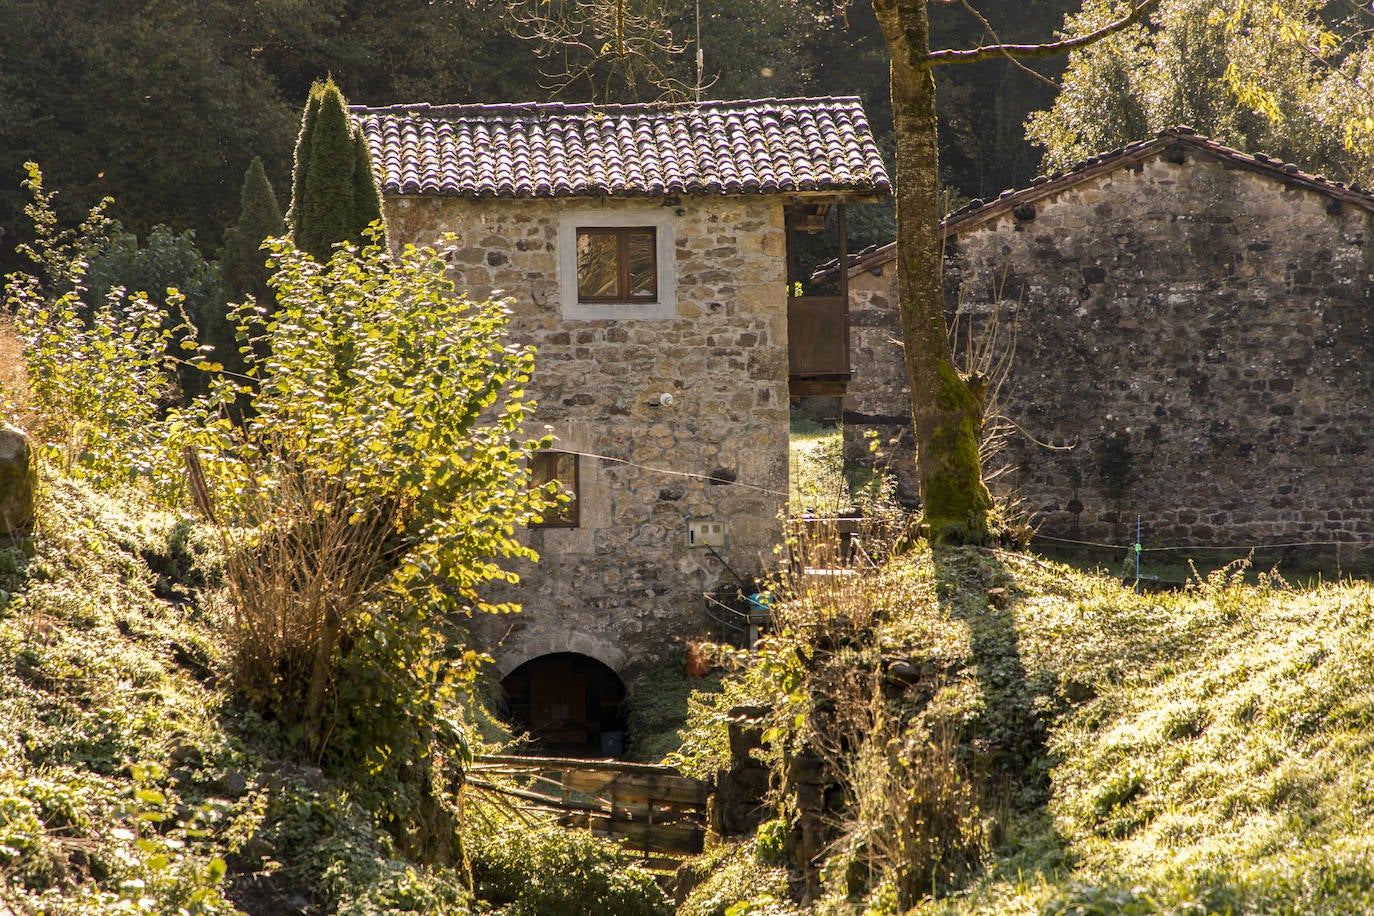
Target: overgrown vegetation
{"x": 269, "y": 706}
{"x": 822, "y": 482}
{"x": 1086, "y": 749}
{"x": 968, "y": 731}
{"x": 133, "y": 778}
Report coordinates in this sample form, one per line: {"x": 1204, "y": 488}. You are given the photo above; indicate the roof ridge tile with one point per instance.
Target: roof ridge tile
{"x": 561, "y": 149}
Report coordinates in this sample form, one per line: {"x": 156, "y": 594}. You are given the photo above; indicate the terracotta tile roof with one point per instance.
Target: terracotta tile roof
{"x": 553, "y": 150}
{"x": 1166, "y": 142}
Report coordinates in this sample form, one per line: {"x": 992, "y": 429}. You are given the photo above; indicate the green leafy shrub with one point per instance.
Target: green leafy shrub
{"x": 377, "y": 482}
{"x": 101, "y": 383}
{"x": 551, "y": 871}
{"x": 732, "y": 879}
{"x": 97, "y": 366}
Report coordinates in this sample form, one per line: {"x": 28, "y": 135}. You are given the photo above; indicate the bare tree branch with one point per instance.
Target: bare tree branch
{"x": 967, "y": 56}
{"x": 612, "y": 47}
{"x": 987, "y": 26}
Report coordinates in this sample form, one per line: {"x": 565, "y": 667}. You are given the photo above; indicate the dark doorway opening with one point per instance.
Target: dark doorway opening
{"x": 567, "y": 705}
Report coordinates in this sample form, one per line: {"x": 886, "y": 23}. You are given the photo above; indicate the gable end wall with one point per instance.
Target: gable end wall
{"x": 1198, "y": 340}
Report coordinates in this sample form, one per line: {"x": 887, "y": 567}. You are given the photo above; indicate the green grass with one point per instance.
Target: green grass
{"x": 133, "y": 778}
{"x": 1208, "y": 750}
{"x": 1176, "y": 566}
{"x": 821, "y": 480}
{"x": 1201, "y": 751}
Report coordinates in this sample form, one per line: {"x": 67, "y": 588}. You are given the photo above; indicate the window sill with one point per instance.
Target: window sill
{"x": 601, "y": 311}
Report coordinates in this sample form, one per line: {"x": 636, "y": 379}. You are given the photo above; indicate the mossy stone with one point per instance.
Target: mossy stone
{"x": 17, "y": 482}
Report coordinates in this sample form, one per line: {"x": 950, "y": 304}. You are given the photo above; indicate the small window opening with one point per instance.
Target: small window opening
{"x": 617, "y": 264}
{"x": 558, "y": 468}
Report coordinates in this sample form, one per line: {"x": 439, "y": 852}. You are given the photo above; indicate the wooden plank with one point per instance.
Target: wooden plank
{"x": 544, "y": 802}
{"x": 817, "y": 336}
{"x": 638, "y": 788}
{"x": 653, "y": 809}
{"x": 682, "y": 838}
{"x": 686, "y": 839}
{"x": 575, "y": 763}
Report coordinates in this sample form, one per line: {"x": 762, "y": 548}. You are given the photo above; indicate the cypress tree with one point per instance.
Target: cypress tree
{"x": 301, "y": 158}
{"x": 242, "y": 261}
{"x": 335, "y": 195}
{"x": 367, "y": 198}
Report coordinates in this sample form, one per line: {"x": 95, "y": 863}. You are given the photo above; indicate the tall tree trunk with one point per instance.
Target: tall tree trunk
{"x": 946, "y": 412}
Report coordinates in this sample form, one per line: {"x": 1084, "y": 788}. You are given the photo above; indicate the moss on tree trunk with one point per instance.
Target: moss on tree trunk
{"x": 946, "y": 412}
{"x": 957, "y": 504}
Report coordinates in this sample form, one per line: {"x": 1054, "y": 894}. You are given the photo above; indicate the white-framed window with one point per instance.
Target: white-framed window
{"x": 617, "y": 263}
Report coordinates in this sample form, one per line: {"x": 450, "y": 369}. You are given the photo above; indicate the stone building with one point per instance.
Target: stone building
{"x": 1191, "y": 329}
{"x": 645, "y": 252}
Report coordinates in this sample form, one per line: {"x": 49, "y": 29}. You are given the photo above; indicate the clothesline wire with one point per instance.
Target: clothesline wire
{"x": 718, "y": 481}
{"x": 1176, "y": 547}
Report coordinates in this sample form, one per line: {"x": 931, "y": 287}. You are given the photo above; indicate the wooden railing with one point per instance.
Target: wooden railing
{"x": 654, "y": 810}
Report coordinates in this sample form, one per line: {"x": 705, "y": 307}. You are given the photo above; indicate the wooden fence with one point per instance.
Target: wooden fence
{"x": 654, "y": 810}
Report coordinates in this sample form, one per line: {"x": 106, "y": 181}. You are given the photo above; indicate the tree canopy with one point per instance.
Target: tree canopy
{"x": 163, "y": 106}
{"x": 1290, "y": 81}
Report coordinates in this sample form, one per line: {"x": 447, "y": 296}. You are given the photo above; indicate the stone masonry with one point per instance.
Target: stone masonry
{"x": 1193, "y": 340}
{"x": 624, "y": 586}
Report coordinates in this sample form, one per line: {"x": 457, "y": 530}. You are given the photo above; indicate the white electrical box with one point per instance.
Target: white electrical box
{"x": 706, "y": 534}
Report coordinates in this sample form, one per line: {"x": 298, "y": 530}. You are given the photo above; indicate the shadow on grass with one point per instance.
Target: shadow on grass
{"x": 1007, "y": 743}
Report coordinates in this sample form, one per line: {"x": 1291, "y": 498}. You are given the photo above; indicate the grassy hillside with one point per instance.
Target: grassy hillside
{"x": 132, "y": 778}
{"x": 1212, "y": 753}
{"x": 1078, "y": 748}
{"x": 1206, "y": 751}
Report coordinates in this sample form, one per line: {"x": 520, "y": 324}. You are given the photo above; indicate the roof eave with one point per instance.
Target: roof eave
{"x": 979, "y": 213}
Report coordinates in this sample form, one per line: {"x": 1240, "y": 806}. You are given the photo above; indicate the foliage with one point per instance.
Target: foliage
{"x": 374, "y": 488}
{"x": 555, "y": 872}
{"x": 982, "y": 105}
{"x": 165, "y": 108}
{"x": 376, "y": 485}
{"x": 98, "y": 683}
{"x": 1285, "y": 80}
{"x": 166, "y": 261}
{"x": 130, "y": 777}
{"x": 98, "y": 371}
{"x": 100, "y": 379}
{"x": 243, "y": 264}
{"x": 657, "y": 707}
{"x": 821, "y": 481}
{"x": 242, "y": 259}
{"x": 170, "y": 272}
{"x": 1201, "y": 751}
{"x": 334, "y": 194}
{"x": 161, "y": 106}
{"x": 60, "y": 255}
{"x": 733, "y": 880}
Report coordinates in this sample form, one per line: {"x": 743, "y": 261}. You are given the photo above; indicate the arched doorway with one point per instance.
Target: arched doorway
{"x": 567, "y": 704}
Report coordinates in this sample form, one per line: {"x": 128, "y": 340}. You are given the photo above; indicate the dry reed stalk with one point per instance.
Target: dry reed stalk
{"x": 299, "y": 578}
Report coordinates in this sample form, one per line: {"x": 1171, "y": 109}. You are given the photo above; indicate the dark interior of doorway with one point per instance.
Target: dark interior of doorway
{"x": 567, "y": 705}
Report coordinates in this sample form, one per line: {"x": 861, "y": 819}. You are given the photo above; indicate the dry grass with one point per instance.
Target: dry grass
{"x": 299, "y": 580}
{"x": 16, "y": 400}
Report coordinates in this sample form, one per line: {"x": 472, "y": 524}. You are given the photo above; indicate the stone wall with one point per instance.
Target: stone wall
{"x": 624, "y": 587}
{"x": 878, "y": 399}
{"x": 1195, "y": 340}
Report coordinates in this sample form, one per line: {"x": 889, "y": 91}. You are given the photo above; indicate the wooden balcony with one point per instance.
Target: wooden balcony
{"x": 818, "y": 346}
